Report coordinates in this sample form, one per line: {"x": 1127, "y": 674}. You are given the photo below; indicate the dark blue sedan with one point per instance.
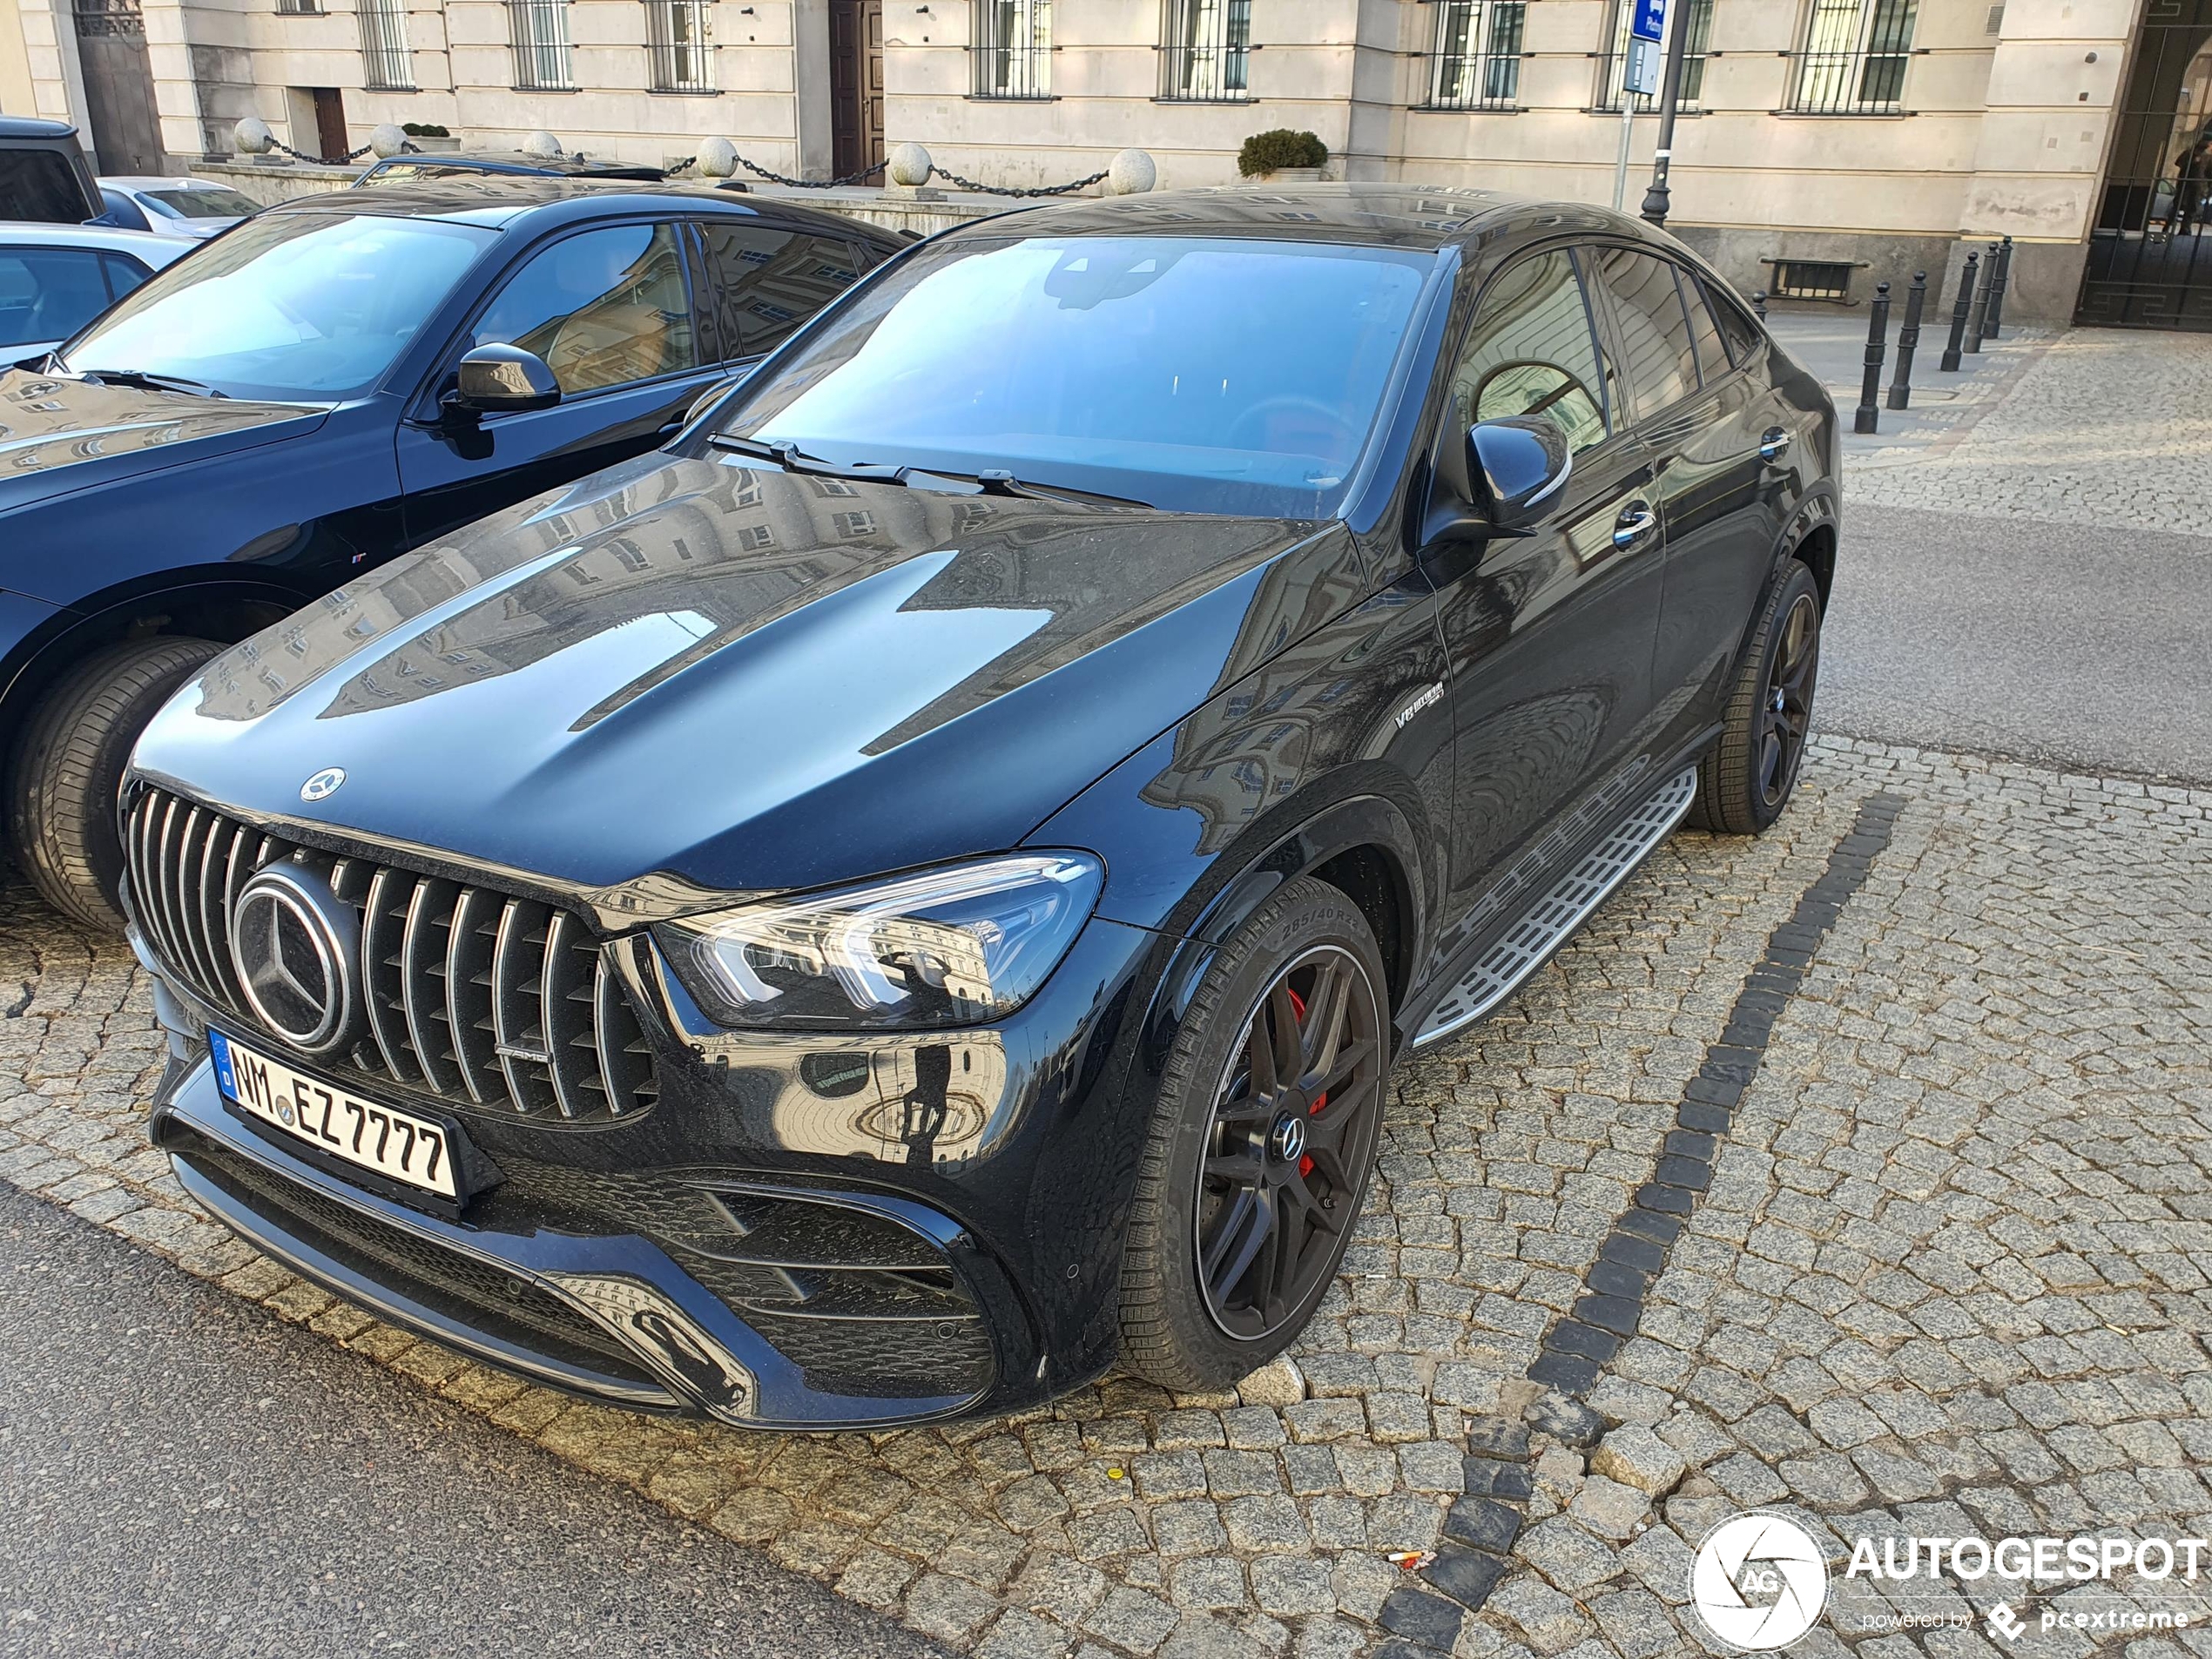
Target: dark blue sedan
{"x": 334, "y": 382}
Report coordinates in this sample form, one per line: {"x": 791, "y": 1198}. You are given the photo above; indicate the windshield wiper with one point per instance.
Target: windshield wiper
{"x": 993, "y": 481}
{"x": 148, "y": 381}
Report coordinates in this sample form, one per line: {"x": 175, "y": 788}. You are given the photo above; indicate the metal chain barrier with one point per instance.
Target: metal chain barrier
{"x": 276, "y": 143}
{"x": 997, "y": 190}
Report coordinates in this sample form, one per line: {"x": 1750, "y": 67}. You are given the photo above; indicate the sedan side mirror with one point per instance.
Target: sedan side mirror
{"x": 503, "y": 379}
{"x": 1518, "y": 466}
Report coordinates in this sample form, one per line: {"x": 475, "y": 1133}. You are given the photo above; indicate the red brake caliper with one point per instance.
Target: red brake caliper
{"x": 1298, "y": 1006}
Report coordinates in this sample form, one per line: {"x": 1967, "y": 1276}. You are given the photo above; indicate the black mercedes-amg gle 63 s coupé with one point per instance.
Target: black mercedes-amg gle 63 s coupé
{"x": 909, "y": 896}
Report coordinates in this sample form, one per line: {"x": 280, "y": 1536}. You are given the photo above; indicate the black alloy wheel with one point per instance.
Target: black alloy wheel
{"x": 1745, "y": 779}
{"x": 1285, "y": 1158}
{"x": 1786, "y": 716}
{"x": 1262, "y": 1136}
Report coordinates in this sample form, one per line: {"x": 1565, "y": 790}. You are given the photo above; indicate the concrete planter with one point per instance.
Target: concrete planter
{"x": 1291, "y": 175}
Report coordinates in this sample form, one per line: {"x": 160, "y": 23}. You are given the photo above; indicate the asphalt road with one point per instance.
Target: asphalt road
{"x": 2081, "y": 648}
{"x": 181, "y": 1474}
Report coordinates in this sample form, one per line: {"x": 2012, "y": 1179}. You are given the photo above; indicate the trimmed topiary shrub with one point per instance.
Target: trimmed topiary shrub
{"x": 425, "y": 129}
{"x": 1273, "y": 150}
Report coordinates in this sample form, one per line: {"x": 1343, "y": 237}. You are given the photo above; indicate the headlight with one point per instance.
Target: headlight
{"x": 958, "y": 946}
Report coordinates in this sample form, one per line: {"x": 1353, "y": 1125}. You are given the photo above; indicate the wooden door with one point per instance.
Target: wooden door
{"x": 330, "y": 123}
{"x": 856, "y": 86}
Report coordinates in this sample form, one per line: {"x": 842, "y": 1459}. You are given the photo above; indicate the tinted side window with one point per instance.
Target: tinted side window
{"x": 123, "y": 274}
{"x": 1741, "y": 332}
{"x": 1662, "y": 362}
{"x": 1530, "y": 352}
{"x": 1712, "y": 356}
{"x": 772, "y": 281}
{"x": 48, "y": 292}
{"x": 602, "y": 307}
{"x": 38, "y": 185}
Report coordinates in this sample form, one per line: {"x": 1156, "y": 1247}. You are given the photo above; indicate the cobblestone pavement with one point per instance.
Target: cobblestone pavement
{"x": 2089, "y": 426}
{"x": 1950, "y": 1275}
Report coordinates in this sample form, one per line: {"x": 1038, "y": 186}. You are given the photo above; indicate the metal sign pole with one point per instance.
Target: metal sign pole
{"x": 1639, "y": 77}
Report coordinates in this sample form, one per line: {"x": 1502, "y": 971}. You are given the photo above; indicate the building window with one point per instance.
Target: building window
{"x": 1615, "y": 66}
{"x": 539, "y": 29}
{"x": 386, "y": 64}
{"x": 679, "y": 38}
{"x": 1206, "y": 50}
{"x": 298, "y": 8}
{"x": 1476, "y": 64}
{"x": 1012, "y": 48}
{"x": 1854, "y": 58}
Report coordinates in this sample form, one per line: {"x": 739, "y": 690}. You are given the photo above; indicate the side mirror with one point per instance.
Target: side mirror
{"x": 1518, "y": 466}
{"x": 502, "y": 380}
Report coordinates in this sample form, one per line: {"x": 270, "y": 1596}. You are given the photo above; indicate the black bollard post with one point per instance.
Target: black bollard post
{"x": 1950, "y": 364}
{"x": 1908, "y": 340}
{"x": 1758, "y": 305}
{"x": 1999, "y": 280}
{"x": 1978, "y": 317}
{"x": 1868, "y": 415}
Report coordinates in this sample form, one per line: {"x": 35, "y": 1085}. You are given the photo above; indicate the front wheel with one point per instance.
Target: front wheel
{"x": 1257, "y": 1156}
{"x": 67, "y": 770}
{"x": 1745, "y": 781}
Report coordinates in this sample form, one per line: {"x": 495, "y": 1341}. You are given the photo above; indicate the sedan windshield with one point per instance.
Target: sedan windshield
{"x": 301, "y": 305}
{"x": 1202, "y": 374}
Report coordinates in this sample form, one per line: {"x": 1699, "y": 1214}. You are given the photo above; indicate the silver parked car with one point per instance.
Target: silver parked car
{"x": 54, "y": 279}
{"x": 196, "y": 208}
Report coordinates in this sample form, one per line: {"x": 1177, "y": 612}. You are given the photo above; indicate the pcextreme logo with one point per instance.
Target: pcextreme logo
{"x": 1759, "y": 1580}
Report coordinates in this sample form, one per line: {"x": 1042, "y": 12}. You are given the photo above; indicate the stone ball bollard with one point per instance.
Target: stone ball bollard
{"x": 1131, "y": 173}
{"x": 715, "y": 158}
{"x": 543, "y": 145}
{"x": 388, "y": 140}
{"x": 252, "y": 136}
{"x": 908, "y": 164}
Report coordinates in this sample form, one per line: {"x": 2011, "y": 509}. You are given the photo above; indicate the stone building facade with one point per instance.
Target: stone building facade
{"x": 1859, "y": 139}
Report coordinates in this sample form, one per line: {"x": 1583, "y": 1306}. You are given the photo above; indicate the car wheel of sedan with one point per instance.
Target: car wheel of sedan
{"x": 1261, "y": 1144}
{"x": 1744, "y": 782}
{"x": 68, "y": 766}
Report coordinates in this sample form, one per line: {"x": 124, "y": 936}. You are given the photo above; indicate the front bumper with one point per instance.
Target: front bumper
{"x": 700, "y": 1262}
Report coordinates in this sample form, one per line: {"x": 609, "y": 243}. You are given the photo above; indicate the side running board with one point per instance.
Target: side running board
{"x": 1548, "y": 924}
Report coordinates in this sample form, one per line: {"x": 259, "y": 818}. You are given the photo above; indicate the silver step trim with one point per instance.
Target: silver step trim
{"x": 1547, "y": 923}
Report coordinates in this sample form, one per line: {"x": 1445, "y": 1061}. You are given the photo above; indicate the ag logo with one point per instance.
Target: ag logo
{"x": 1759, "y": 1580}
{"x": 323, "y": 784}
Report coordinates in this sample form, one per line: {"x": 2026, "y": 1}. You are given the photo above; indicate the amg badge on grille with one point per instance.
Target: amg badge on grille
{"x": 323, "y": 784}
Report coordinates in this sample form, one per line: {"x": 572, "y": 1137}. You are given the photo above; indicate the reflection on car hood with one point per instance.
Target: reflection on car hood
{"x": 58, "y": 434}
{"x": 747, "y": 678}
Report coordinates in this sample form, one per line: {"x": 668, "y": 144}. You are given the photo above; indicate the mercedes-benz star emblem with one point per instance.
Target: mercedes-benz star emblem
{"x": 297, "y": 944}
{"x": 1290, "y": 1138}
{"x": 323, "y": 784}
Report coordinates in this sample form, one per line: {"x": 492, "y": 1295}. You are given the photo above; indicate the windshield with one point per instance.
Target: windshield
{"x": 301, "y": 306}
{"x": 1202, "y": 374}
{"x": 199, "y": 201}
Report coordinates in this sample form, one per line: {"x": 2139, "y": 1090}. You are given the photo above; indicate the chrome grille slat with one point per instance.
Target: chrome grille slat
{"x": 518, "y": 979}
{"x": 380, "y": 920}
{"x": 468, "y": 1007}
{"x": 473, "y": 996}
{"x": 421, "y": 966}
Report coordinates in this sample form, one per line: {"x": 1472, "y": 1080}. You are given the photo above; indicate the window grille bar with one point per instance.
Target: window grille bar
{"x": 1012, "y": 48}
{"x": 1205, "y": 54}
{"x": 539, "y": 29}
{"x": 387, "y": 65}
{"x": 679, "y": 42}
{"x": 1613, "y": 67}
{"x": 1476, "y": 62}
{"x": 1854, "y": 58}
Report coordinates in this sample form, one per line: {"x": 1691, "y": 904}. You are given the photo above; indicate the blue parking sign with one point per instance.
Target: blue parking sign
{"x": 1650, "y": 20}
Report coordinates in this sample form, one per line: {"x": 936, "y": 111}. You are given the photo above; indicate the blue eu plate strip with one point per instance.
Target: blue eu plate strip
{"x": 219, "y": 1049}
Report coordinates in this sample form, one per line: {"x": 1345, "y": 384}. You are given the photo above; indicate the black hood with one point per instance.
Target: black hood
{"x": 746, "y": 679}
{"x": 58, "y": 434}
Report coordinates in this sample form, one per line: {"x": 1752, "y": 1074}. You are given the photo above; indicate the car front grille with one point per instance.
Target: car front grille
{"x": 474, "y": 997}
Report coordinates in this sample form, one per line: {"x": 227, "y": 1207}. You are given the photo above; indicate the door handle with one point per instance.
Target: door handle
{"x": 1774, "y": 444}
{"x": 1634, "y": 523}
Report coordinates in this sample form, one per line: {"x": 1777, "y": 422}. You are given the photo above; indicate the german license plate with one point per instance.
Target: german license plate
{"x": 397, "y": 1145}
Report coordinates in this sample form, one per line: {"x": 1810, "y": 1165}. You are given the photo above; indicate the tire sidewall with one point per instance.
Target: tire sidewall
{"x": 1305, "y": 915}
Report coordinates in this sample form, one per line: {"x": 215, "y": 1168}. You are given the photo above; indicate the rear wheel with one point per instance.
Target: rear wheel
{"x": 67, "y": 770}
{"x": 1746, "y": 779}
{"x": 1261, "y": 1143}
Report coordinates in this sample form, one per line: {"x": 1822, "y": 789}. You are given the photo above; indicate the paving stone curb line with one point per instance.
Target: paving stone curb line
{"x": 1948, "y": 1269}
